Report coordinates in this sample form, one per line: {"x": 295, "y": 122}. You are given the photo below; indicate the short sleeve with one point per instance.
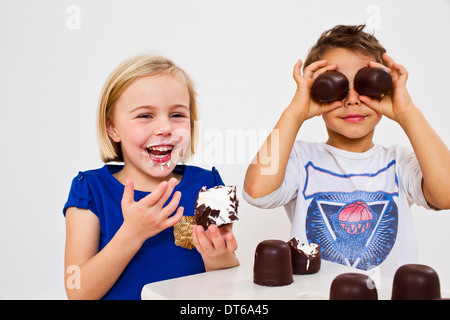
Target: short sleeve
{"x": 269, "y": 201}
{"x": 216, "y": 177}
{"x": 288, "y": 190}
{"x": 79, "y": 194}
{"x": 410, "y": 176}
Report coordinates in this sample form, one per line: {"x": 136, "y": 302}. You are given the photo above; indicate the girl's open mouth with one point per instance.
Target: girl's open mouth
{"x": 159, "y": 153}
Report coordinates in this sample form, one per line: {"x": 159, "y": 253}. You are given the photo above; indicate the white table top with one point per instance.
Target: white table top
{"x": 237, "y": 283}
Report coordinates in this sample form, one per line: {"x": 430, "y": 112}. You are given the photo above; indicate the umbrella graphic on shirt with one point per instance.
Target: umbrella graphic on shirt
{"x": 354, "y": 223}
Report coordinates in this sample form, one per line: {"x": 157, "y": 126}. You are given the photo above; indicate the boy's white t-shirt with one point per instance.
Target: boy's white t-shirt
{"x": 356, "y": 206}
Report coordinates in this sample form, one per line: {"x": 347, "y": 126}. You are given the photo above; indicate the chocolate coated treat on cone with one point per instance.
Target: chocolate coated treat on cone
{"x": 217, "y": 205}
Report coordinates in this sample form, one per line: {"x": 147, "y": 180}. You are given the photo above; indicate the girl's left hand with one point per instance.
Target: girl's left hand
{"x": 397, "y": 103}
{"x": 215, "y": 241}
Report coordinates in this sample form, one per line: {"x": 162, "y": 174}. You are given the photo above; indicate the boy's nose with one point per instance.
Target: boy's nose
{"x": 352, "y": 98}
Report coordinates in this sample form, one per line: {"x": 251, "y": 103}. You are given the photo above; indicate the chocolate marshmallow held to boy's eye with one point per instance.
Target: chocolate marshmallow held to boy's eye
{"x": 217, "y": 205}
{"x": 373, "y": 82}
{"x": 330, "y": 86}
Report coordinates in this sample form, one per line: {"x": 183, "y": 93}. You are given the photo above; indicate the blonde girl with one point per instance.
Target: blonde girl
{"x": 120, "y": 218}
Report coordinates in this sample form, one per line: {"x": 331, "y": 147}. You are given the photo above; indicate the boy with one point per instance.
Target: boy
{"x": 348, "y": 195}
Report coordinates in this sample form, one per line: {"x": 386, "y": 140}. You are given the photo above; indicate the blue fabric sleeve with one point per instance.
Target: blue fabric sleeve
{"x": 217, "y": 178}
{"x": 79, "y": 194}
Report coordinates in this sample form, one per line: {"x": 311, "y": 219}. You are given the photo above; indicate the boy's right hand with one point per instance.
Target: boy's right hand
{"x": 302, "y": 102}
{"x": 149, "y": 216}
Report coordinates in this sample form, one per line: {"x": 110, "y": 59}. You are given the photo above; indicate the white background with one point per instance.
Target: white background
{"x": 54, "y": 61}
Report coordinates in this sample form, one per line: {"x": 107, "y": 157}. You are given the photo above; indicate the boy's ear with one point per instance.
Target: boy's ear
{"x": 112, "y": 131}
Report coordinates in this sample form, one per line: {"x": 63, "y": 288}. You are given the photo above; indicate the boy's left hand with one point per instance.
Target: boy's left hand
{"x": 396, "y": 103}
{"x": 215, "y": 241}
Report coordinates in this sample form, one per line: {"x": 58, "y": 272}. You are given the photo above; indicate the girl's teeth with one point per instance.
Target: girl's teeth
{"x": 160, "y": 148}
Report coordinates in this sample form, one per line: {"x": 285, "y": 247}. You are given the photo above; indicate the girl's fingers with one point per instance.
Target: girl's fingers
{"x": 231, "y": 242}
{"x": 194, "y": 237}
{"x": 216, "y": 237}
{"x": 172, "y": 205}
{"x": 201, "y": 241}
{"x": 170, "y": 222}
{"x": 160, "y": 194}
{"x": 155, "y": 195}
{"x": 128, "y": 193}
{"x": 213, "y": 242}
{"x": 171, "y": 185}
{"x": 228, "y": 236}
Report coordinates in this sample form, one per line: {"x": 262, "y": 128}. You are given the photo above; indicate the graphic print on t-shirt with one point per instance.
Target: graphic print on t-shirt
{"x": 353, "y": 217}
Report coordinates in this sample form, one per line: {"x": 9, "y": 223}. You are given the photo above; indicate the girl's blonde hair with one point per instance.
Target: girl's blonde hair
{"x": 120, "y": 79}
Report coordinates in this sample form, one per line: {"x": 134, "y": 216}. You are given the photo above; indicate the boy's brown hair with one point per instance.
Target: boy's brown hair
{"x": 347, "y": 37}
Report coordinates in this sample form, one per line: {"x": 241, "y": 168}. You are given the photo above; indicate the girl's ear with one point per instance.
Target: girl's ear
{"x": 112, "y": 131}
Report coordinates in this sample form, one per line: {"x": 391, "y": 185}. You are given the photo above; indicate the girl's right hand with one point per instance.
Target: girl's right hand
{"x": 302, "y": 101}
{"x": 149, "y": 216}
